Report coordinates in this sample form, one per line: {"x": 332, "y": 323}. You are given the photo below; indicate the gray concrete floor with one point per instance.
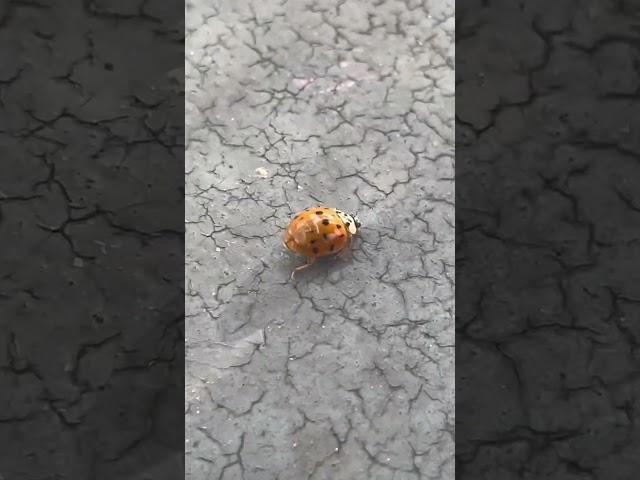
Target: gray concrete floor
{"x": 347, "y": 374}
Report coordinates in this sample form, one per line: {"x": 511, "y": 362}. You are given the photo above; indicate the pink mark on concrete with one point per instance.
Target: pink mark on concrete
{"x": 303, "y": 82}
{"x": 346, "y": 84}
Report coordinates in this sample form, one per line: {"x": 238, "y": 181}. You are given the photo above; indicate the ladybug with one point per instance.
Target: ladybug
{"x": 319, "y": 232}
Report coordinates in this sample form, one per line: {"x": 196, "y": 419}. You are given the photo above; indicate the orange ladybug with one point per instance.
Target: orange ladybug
{"x": 318, "y": 232}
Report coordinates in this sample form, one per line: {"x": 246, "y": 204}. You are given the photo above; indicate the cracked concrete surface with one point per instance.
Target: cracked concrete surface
{"x": 548, "y": 215}
{"x": 91, "y": 274}
{"x": 347, "y": 374}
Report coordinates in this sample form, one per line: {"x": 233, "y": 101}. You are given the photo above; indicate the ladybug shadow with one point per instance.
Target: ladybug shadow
{"x": 324, "y": 266}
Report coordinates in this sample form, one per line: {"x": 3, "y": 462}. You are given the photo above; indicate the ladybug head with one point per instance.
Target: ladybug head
{"x": 351, "y": 221}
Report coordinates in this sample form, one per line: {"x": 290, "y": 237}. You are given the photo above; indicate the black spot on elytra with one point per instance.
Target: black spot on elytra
{"x": 338, "y": 226}
{"x": 319, "y": 212}
{"x": 348, "y": 223}
{"x": 325, "y": 221}
{"x": 313, "y": 241}
{"x": 315, "y": 249}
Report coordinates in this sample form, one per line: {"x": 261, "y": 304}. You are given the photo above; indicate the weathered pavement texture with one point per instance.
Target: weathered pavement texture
{"x": 548, "y": 203}
{"x": 91, "y": 300}
{"x": 348, "y": 373}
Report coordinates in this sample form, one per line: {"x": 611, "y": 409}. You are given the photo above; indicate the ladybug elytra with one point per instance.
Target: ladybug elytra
{"x": 319, "y": 232}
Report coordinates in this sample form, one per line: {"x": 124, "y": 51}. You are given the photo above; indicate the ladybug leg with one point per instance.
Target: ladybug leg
{"x": 310, "y": 261}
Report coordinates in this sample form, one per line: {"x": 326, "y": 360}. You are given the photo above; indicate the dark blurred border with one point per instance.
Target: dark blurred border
{"x": 548, "y": 239}
{"x": 91, "y": 239}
